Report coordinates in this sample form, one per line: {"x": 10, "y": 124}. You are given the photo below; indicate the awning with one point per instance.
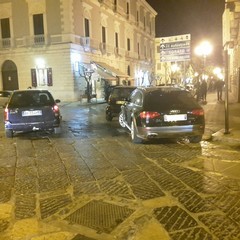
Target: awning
{"x": 111, "y": 70}
{"x": 105, "y": 75}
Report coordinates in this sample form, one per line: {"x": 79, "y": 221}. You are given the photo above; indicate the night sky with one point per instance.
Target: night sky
{"x": 200, "y": 18}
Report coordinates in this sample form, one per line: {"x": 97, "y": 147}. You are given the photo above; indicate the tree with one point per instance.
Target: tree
{"x": 86, "y": 73}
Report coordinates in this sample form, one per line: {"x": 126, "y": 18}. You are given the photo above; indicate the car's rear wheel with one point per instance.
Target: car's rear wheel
{"x": 8, "y": 133}
{"x": 195, "y": 139}
{"x": 121, "y": 120}
{"x": 134, "y": 136}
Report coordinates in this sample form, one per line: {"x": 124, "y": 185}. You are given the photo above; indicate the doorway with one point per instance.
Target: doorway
{"x": 9, "y": 76}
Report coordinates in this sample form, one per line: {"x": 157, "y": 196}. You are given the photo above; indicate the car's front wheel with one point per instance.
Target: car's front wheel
{"x": 134, "y": 136}
{"x": 121, "y": 120}
{"x": 195, "y": 139}
{"x": 8, "y": 133}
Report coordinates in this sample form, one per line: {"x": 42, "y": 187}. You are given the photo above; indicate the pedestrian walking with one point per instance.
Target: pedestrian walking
{"x": 198, "y": 90}
{"x": 219, "y": 87}
{"x": 203, "y": 89}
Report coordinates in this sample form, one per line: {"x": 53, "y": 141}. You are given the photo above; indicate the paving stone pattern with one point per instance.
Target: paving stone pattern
{"x": 103, "y": 183}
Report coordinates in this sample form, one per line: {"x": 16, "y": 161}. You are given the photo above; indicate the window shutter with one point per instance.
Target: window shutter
{"x": 34, "y": 77}
{"x": 49, "y": 77}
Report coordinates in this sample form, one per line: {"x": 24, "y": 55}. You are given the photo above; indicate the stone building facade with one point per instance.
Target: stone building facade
{"x": 59, "y": 45}
{"x": 231, "y": 47}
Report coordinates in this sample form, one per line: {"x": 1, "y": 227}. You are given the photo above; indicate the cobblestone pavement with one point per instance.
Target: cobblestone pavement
{"x": 92, "y": 183}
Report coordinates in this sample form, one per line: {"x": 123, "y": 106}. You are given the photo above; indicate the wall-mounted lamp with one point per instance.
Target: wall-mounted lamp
{"x": 40, "y": 63}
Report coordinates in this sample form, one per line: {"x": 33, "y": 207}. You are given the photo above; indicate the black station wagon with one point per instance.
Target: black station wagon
{"x": 162, "y": 112}
{"x": 31, "y": 110}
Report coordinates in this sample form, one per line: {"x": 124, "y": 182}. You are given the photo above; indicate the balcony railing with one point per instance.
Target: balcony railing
{"x": 87, "y": 43}
{"x": 39, "y": 40}
{"x": 6, "y": 43}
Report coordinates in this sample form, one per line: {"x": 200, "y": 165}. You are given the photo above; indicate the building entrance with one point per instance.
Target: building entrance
{"x": 9, "y": 76}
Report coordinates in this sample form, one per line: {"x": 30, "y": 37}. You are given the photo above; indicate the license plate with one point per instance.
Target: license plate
{"x": 120, "y": 102}
{"x": 32, "y": 113}
{"x": 175, "y": 117}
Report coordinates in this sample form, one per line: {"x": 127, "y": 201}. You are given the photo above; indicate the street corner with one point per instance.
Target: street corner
{"x": 232, "y": 137}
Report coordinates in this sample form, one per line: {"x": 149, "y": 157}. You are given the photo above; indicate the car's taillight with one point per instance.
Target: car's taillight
{"x": 56, "y": 110}
{"x": 149, "y": 115}
{"x": 198, "y": 112}
{"x": 6, "y": 114}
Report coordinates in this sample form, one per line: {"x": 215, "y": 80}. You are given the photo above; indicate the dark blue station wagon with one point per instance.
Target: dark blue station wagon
{"x": 31, "y": 110}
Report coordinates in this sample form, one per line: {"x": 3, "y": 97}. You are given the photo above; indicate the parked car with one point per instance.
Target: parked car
{"x": 4, "y": 97}
{"x": 117, "y": 97}
{"x": 162, "y": 112}
{"x": 31, "y": 110}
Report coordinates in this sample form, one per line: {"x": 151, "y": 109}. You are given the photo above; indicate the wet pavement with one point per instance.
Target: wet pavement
{"x": 92, "y": 183}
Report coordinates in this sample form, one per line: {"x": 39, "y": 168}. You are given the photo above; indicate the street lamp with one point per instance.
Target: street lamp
{"x": 203, "y": 50}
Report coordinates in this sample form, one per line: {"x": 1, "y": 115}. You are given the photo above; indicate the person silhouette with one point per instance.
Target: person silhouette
{"x": 203, "y": 89}
{"x": 219, "y": 87}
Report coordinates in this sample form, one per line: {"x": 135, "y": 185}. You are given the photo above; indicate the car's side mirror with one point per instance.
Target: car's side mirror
{"x": 57, "y": 101}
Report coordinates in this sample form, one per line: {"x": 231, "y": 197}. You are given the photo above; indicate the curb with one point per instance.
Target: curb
{"x": 231, "y": 138}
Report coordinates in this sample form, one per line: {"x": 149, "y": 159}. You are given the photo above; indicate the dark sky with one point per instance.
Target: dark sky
{"x": 200, "y": 18}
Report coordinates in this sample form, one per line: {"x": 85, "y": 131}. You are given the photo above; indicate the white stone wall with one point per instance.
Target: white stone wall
{"x": 231, "y": 44}
{"x": 64, "y": 33}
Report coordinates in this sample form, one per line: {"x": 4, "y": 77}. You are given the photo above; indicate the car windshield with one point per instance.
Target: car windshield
{"x": 121, "y": 92}
{"x": 170, "y": 99}
{"x": 31, "y": 98}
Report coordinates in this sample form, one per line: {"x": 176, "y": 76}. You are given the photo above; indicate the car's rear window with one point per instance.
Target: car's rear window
{"x": 170, "y": 99}
{"x": 31, "y": 98}
{"x": 121, "y": 92}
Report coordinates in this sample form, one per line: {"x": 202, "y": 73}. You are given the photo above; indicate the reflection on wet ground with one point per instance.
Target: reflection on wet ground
{"x": 92, "y": 182}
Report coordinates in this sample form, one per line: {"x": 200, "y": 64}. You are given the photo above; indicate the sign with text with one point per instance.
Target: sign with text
{"x": 175, "y": 48}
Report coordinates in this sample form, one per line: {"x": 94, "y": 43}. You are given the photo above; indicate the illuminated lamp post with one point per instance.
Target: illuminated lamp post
{"x": 203, "y": 50}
